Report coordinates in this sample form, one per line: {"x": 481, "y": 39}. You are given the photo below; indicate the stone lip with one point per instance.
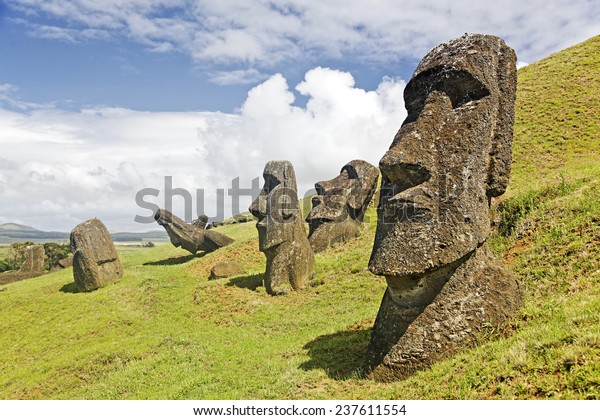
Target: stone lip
{"x": 457, "y": 305}
{"x": 95, "y": 259}
{"x": 191, "y": 237}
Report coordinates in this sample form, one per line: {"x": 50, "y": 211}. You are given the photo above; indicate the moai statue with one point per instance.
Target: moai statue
{"x": 95, "y": 260}
{"x": 340, "y": 204}
{"x": 191, "y": 237}
{"x": 34, "y": 259}
{"x": 449, "y": 158}
{"x": 281, "y": 233}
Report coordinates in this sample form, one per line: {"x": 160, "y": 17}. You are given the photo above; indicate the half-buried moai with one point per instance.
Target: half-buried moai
{"x": 340, "y": 204}
{"x": 95, "y": 260}
{"x": 191, "y": 237}
{"x": 451, "y": 155}
{"x": 34, "y": 259}
{"x": 281, "y": 233}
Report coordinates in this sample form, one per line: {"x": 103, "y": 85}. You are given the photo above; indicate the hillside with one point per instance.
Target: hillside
{"x": 16, "y": 227}
{"x": 13, "y": 232}
{"x": 166, "y": 332}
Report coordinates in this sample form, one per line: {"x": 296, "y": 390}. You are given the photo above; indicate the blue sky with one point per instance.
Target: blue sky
{"x": 99, "y": 99}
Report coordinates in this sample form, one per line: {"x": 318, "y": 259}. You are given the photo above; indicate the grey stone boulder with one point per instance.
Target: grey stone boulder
{"x": 95, "y": 259}
{"x": 226, "y": 269}
{"x": 34, "y": 259}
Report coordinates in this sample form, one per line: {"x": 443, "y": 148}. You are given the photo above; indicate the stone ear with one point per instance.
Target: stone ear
{"x": 359, "y": 198}
{"x": 500, "y": 152}
{"x": 290, "y": 213}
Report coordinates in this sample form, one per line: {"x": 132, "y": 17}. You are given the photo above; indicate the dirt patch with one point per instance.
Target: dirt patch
{"x": 246, "y": 254}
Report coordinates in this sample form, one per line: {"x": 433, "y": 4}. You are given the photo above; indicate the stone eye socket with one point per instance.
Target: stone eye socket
{"x": 350, "y": 172}
{"x": 459, "y": 85}
{"x": 271, "y": 182}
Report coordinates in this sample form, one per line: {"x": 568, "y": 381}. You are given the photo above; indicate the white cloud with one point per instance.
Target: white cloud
{"x": 237, "y": 77}
{"x": 61, "y": 167}
{"x": 264, "y": 33}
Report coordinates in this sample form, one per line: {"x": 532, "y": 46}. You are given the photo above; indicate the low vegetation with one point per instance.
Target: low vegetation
{"x": 165, "y": 332}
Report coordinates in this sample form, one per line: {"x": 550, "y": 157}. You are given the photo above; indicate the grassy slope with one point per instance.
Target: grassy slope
{"x": 164, "y": 331}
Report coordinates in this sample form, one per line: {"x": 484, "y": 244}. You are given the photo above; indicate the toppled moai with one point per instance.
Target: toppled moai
{"x": 281, "y": 233}
{"x": 451, "y": 155}
{"x": 340, "y": 204}
{"x": 191, "y": 237}
{"x": 95, "y": 259}
{"x": 34, "y": 259}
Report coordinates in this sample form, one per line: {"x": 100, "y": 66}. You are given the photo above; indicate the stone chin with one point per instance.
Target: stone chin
{"x": 327, "y": 232}
{"x": 269, "y": 238}
{"x": 412, "y": 248}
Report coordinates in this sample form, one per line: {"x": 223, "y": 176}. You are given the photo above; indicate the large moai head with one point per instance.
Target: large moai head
{"x": 340, "y": 204}
{"x": 276, "y": 207}
{"x": 451, "y": 155}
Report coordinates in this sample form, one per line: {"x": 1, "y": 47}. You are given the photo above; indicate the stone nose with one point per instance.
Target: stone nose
{"x": 323, "y": 187}
{"x": 402, "y": 174}
{"x": 258, "y": 208}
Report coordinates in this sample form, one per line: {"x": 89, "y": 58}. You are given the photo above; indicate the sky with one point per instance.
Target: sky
{"x": 103, "y": 101}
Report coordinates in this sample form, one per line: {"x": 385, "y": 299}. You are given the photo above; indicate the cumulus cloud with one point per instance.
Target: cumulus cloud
{"x": 60, "y": 167}
{"x": 263, "y": 33}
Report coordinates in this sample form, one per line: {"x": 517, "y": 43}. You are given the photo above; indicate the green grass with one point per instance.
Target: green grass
{"x": 166, "y": 332}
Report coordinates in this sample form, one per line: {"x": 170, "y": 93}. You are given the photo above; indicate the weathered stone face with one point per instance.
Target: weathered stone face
{"x": 191, "y": 237}
{"x": 451, "y": 155}
{"x": 340, "y": 204}
{"x": 34, "y": 259}
{"x": 281, "y": 234}
{"x": 95, "y": 259}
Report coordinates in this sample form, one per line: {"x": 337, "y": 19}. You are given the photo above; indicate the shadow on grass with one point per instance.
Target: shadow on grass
{"x": 251, "y": 282}
{"x": 176, "y": 260}
{"x": 69, "y": 288}
{"x": 341, "y": 355}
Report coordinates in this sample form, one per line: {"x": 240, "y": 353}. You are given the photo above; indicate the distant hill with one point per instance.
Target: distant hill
{"x": 14, "y": 232}
{"x": 17, "y": 227}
